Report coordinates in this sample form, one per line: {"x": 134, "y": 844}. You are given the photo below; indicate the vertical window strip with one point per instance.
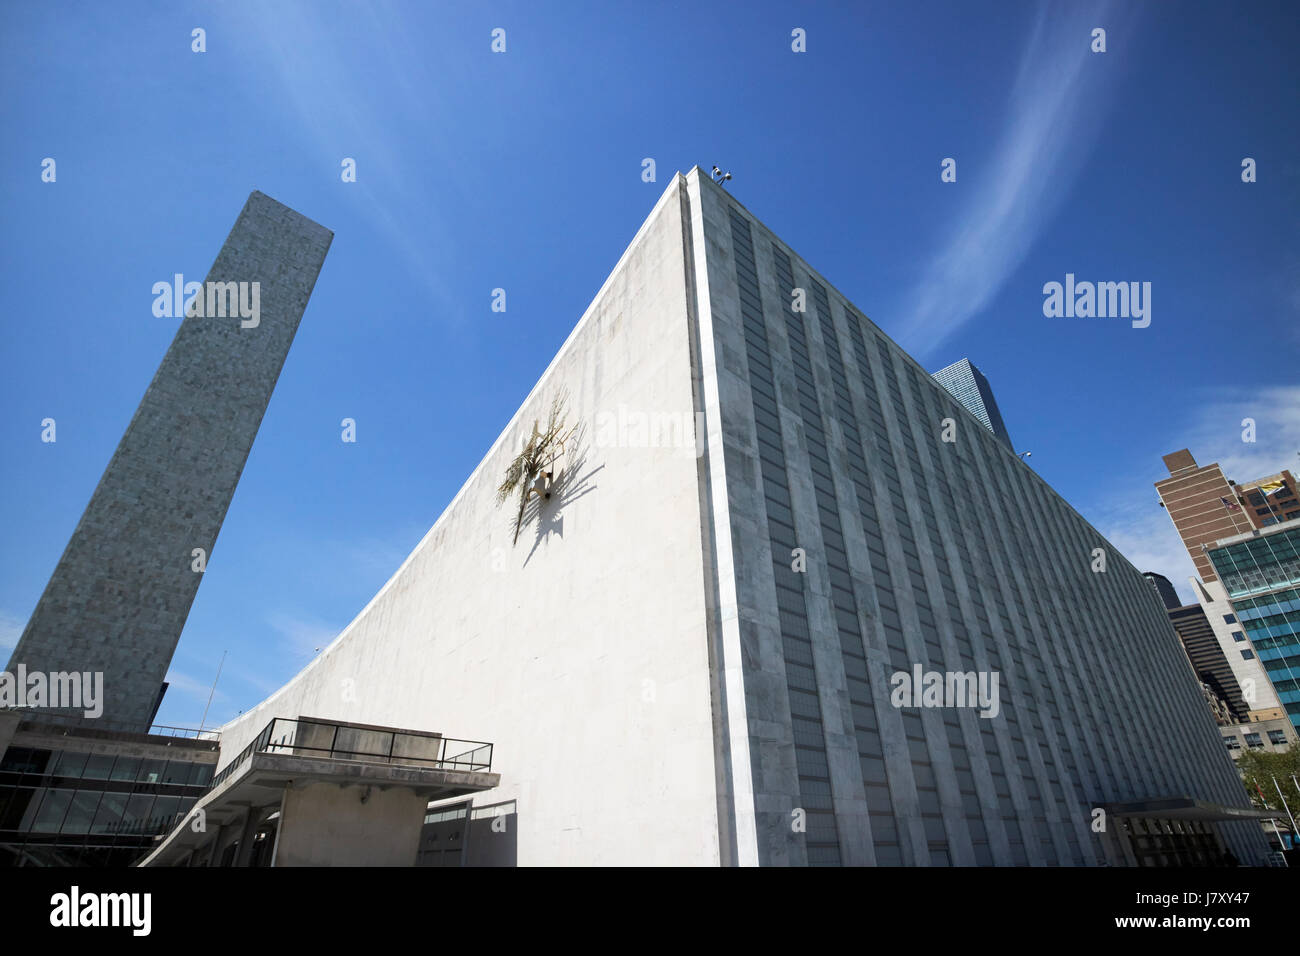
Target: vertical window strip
{"x": 821, "y": 837}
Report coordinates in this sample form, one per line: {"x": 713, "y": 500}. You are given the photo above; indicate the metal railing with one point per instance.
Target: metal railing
{"x": 79, "y": 721}
{"x": 400, "y": 748}
{"x": 192, "y": 733}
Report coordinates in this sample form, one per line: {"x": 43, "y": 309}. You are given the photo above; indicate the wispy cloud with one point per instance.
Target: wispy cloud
{"x": 1142, "y": 532}
{"x": 337, "y": 86}
{"x": 191, "y": 686}
{"x": 1216, "y": 433}
{"x": 1055, "y": 111}
{"x": 302, "y": 637}
{"x": 1133, "y": 521}
{"x": 258, "y": 682}
{"x": 378, "y": 556}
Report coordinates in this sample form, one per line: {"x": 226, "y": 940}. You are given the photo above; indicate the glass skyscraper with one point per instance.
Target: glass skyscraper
{"x": 1261, "y": 573}
{"x": 968, "y": 385}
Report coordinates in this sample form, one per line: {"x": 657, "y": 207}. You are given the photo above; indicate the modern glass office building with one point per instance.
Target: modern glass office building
{"x": 72, "y": 795}
{"x": 1168, "y": 596}
{"x": 1261, "y": 573}
{"x": 968, "y": 385}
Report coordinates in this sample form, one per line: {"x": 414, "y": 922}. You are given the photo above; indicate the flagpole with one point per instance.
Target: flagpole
{"x": 1268, "y": 504}
{"x": 214, "y": 690}
{"x": 1228, "y": 508}
{"x": 1286, "y": 807}
{"x": 1278, "y": 833}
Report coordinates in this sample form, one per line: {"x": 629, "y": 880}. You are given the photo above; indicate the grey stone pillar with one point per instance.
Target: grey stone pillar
{"x": 122, "y": 590}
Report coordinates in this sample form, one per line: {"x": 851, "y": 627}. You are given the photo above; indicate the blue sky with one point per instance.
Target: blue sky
{"x": 522, "y": 170}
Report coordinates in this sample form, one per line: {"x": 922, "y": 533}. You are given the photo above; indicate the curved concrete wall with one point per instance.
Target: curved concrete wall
{"x": 580, "y": 652}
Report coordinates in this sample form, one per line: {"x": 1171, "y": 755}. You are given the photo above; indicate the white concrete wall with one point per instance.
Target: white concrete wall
{"x": 327, "y": 825}
{"x": 580, "y": 652}
{"x": 1250, "y": 674}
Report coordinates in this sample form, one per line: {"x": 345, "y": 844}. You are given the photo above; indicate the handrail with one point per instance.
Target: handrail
{"x": 61, "y": 719}
{"x": 321, "y": 738}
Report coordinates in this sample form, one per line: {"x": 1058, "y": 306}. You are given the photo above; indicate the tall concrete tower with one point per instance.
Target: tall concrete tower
{"x": 121, "y": 592}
